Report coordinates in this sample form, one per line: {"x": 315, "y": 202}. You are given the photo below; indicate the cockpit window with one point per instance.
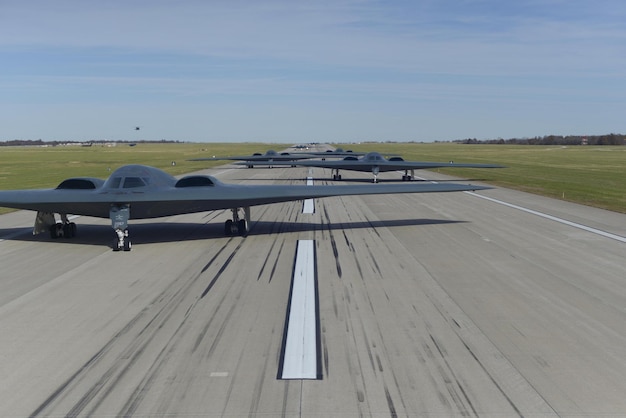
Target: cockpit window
{"x": 132, "y": 182}
{"x": 115, "y": 182}
{"x": 374, "y": 157}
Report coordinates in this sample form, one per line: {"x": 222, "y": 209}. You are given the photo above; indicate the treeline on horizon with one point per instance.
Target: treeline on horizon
{"x": 40, "y": 142}
{"x": 610, "y": 139}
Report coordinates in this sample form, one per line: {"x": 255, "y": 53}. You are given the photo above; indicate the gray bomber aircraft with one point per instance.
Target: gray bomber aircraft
{"x": 143, "y": 192}
{"x": 336, "y": 153}
{"x": 270, "y": 157}
{"x": 376, "y": 163}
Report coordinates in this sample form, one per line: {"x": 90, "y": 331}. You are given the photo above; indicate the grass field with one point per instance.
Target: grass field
{"x": 594, "y": 175}
{"x": 591, "y": 175}
{"x": 37, "y": 167}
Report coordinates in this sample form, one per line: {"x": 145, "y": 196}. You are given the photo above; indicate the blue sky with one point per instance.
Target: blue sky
{"x": 296, "y": 71}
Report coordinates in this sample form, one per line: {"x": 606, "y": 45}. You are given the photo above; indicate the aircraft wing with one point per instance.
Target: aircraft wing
{"x": 386, "y": 165}
{"x": 142, "y": 192}
{"x": 214, "y": 195}
{"x": 270, "y": 155}
{"x": 425, "y": 165}
{"x": 332, "y": 154}
{"x": 257, "y": 158}
{"x": 340, "y": 164}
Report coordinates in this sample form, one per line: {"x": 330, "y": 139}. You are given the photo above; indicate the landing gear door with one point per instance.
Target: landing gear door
{"x": 119, "y": 215}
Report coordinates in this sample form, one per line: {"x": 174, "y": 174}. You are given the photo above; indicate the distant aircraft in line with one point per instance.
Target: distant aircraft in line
{"x": 270, "y": 156}
{"x": 375, "y": 163}
{"x": 339, "y": 152}
{"x": 143, "y": 192}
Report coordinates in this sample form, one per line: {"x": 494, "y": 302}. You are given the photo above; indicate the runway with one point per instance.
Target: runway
{"x": 428, "y": 305}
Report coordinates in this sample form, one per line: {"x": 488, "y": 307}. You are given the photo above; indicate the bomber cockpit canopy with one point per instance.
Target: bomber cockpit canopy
{"x": 373, "y": 156}
{"x": 138, "y": 176}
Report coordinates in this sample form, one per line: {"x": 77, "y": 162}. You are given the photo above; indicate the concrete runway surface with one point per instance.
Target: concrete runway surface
{"x": 429, "y": 305}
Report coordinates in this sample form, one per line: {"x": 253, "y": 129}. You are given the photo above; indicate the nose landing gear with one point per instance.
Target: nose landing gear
{"x": 119, "y": 215}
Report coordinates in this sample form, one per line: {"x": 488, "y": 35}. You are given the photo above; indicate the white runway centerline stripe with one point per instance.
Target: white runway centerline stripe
{"x": 300, "y": 359}
{"x": 308, "y": 206}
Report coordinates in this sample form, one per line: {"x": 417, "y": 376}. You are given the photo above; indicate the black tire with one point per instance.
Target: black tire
{"x": 69, "y": 230}
{"x": 228, "y": 228}
{"x": 241, "y": 226}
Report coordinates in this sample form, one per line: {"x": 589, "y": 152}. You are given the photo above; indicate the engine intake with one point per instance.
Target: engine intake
{"x": 80, "y": 184}
{"x": 195, "y": 181}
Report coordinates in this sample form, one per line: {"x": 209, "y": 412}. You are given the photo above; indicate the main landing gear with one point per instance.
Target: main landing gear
{"x": 120, "y": 214}
{"x": 237, "y": 226}
{"x": 47, "y": 222}
{"x": 63, "y": 230}
{"x": 407, "y": 176}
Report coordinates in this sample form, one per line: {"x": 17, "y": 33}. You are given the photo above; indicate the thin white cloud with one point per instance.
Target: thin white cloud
{"x": 343, "y": 33}
{"x": 428, "y": 57}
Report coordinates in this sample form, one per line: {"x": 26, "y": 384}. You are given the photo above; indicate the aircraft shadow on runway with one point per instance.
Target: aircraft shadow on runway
{"x": 162, "y": 232}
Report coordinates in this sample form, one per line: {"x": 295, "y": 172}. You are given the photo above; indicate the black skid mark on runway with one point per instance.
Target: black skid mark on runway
{"x": 336, "y": 254}
{"x": 367, "y": 345}
{"x": 325, "y": 354}
{"x": 372, "y": 226}
{"x": 482, "y": 366}
{"x": 358, "y": 267}
{"x": 348, "y": 243}
{"x": 258, "y": 385}
{"x": 135, "y": 399}
{"x": 207, "y": 326}
{"x": 380, "y": 364}
{"x": 453, "y": 385}
{"x": 392, "y": 408}
{"x": 373, "y": 258}
{"x": 509, "y": 400}
{"x": 267, "y": 258}
{"x": 165, "y": 305}
{"x": 280, "y": 250}
{"x": 56, "y": 395}
{"x": 326, "y": 217}
{"x": 97, "y": 380}
{"x": 221, "y": 270}
{"x": 358, "y": 384}
{"x": 377, "y": 364}
{"x": 219, "y": 334}
{"x": 231, "y": 386}
{"x": 288, "y": 220}
{"x": 160, "y": 362}
{"x": 212, "y": 260}
{"x": 207, "y": 266}
{"x": 333, "y": 244}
